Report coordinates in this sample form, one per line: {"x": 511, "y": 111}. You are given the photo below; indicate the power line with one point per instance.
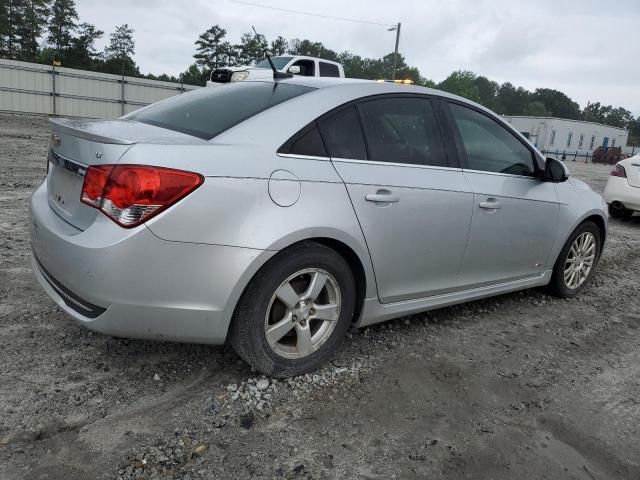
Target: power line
{"x": 300, "y": 12}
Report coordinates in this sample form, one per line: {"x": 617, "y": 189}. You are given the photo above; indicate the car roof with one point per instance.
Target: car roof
{"x": 373, "y": 87}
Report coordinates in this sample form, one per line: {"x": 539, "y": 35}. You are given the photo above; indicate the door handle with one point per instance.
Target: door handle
{"x": 491, "y": 204}
{"x": 382, "y": 196}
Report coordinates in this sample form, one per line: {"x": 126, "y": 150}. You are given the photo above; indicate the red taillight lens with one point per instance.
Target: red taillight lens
{"x": 132, "y": 194}
{"x": 619, "y": 171}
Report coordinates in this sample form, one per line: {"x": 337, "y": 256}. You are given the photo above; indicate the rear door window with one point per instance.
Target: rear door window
{"x": 342, "y": 135}
{"x": 207, "y": 112}
{"x": 329, "y": 70}
{"x": 402, "y": 130}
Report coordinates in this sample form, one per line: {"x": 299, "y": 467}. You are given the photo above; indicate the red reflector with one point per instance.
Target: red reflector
{"x": 619, "y": 171}
{"x": 132, "y": 194}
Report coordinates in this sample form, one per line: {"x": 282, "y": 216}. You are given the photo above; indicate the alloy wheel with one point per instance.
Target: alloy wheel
{"x": 302, "y": 313}
{"x": 580, "y": 260}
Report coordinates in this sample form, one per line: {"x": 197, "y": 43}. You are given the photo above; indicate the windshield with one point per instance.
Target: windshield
{"x": 278, "y": 62}
{"x": 209, "y": 111}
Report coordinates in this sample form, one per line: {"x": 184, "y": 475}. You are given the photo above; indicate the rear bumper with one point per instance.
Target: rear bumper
{"x": 619, "y": 190}
{"x": 130, "y": 283}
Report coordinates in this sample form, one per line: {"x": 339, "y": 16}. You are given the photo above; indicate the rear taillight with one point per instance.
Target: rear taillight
{"x": 619, "y": 171}
{"x": 132, "y": 194}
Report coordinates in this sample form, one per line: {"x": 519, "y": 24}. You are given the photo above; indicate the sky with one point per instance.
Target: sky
{"x": 589, "y": 49}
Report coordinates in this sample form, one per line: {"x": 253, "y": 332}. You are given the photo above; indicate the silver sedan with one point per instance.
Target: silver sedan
{"x": 277, "y": 214}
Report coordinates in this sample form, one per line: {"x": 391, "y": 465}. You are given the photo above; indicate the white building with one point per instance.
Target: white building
{"x": 572, "y": 138}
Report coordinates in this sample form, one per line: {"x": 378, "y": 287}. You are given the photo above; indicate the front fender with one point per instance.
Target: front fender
{"x": 577, "y": 204}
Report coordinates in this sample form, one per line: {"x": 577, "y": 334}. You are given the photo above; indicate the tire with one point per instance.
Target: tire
{"x": 563, "y": 287}
{"x": 618, "y": 211}
{"x": 261, "y": 308}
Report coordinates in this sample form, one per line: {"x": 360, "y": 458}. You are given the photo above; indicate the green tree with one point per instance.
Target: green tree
{"x": 426, "y": 82}
{"x": 11, "y": 21}
{"x": 463, "y": 83}
{"x": 209, "y": 44}
{"x": 511, "y": 100}
{"x": 311, "y": 49}
{"x": 82, "y": 52}
{"x": 536, "y": 109}
{"x": 251, "y": 49}
{"x": 5, "y": 27}
{"x": 278, "y": 46}
{"x": 228, "y": 54}
{"x": 594, "y": 112}
{"x": 62, "y": 25}
{"x": 353, "y": 65}
{"x": 487, "y": 92}
{"x": 619, "y": 117}
{"x": 120, "y": 51}
{"x": 194, "y": 75}
{"x": 634, "y": 132}
{"x": 35, "y": 14}
{"x": 557, "y": 103}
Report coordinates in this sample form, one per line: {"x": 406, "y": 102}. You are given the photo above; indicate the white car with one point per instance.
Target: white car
{"x": 622, "y": 192}
{"x": 296, "y": 65}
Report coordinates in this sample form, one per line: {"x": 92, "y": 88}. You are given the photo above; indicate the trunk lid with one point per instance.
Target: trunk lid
{"x": 633, "y": 171}
{"x": 77, "y": 144}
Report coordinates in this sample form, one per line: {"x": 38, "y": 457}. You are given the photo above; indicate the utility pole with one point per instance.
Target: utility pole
{"x": 395, "y": 54}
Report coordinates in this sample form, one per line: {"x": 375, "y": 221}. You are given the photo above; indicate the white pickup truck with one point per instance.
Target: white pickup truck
{"x": 296, "y": 65}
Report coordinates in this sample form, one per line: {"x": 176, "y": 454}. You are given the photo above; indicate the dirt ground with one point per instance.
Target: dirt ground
{"x": 520, "y": 386}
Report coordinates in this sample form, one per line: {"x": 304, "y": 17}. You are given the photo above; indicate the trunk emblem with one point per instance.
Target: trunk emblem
{"x": 55, "y": 139}
{"x": 98, "y": 154}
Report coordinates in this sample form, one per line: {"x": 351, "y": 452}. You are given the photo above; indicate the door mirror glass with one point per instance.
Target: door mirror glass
{"x": 555, "y": 170}
{"x": 295, "y": 69}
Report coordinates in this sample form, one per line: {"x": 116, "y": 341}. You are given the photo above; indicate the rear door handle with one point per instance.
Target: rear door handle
{"x": 491, "y": 205}
{"x": 381, "y": 196}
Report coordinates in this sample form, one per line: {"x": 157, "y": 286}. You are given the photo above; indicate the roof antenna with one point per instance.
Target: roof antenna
{"x": 276, "y": 73}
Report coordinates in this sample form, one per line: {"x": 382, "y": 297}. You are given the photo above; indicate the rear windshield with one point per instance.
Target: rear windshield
{"x": 207, "y": 112}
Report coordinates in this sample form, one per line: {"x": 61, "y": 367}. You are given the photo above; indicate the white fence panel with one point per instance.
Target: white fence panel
{"x": 43, "y": 89}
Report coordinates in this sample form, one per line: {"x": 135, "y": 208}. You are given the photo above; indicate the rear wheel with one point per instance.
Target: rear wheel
{"x": 295, "y": 312}
{"x": 618, "y": 210}
{"x": 577, "y": 261}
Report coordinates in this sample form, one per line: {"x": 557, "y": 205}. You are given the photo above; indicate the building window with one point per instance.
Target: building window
{"x": 553, "y": 137}
{"x": 593, "y": 140}
{"x": 580, "y": 141}
{"x": 569, "y": 138}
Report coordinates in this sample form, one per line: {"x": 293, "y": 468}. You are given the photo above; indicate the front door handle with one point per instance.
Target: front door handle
{"x": 491, "y": 204}
{"x": 381, "y": 196}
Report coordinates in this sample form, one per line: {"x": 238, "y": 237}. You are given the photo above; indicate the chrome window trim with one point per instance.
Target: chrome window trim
{"x": 302, "y": 157}
{"x": 393, "y": 164}
{"x": 529, "y": 177}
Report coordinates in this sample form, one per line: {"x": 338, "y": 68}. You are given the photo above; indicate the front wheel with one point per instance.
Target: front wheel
{"x": 295, "y": 312}
{"x": 577, "y": 261}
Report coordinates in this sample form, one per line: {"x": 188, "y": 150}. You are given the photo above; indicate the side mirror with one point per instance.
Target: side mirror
{"x": 555, "y": 171}
{"x": 295, "y": 69}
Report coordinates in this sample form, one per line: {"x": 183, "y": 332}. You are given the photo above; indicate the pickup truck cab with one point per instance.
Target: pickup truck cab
{"x": 295, "y": 64}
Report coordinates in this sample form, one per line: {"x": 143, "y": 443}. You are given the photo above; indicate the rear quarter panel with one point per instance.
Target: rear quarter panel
{"x": 234, "y": 207}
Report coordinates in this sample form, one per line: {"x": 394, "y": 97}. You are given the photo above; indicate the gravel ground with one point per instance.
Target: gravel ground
{"x": 520, "y": 386}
